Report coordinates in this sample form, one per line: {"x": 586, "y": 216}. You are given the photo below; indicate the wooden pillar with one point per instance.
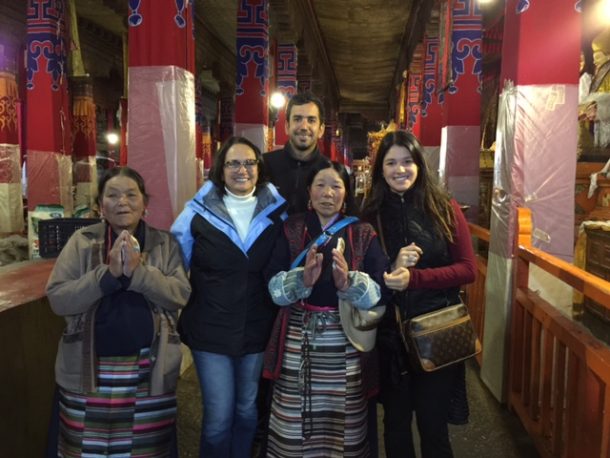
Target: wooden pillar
{"x": 162, "y": 104}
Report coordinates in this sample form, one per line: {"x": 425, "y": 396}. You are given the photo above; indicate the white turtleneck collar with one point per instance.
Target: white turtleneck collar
{"x": 241, "y": 209}
{"x": 238, "y": 197}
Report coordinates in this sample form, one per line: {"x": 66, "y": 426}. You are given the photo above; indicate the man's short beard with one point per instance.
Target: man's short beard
{"x": 301, "y": 148}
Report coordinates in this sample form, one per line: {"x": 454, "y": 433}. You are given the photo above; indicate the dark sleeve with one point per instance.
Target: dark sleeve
{"x": 268, "y": 160}
{"x": 375, "y": 264}
{"x": 375, "y": 261}
{"x": 463, "y": 269}
{"x": 109, "y": 283}
{"x": 280, "y": 257}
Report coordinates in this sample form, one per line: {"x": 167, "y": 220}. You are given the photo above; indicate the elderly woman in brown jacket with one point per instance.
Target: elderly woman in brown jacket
{"x": 119, "y": 285}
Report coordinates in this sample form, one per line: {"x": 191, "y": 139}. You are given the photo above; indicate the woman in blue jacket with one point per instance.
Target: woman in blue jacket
{"x": 227, "y": 232}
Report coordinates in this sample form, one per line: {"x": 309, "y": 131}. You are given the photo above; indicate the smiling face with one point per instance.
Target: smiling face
{"x": 122, "y": 203}
{"x": 399, "y": 169}
{"x": 304, "y": 128}
{"x": 327, "y": 194}
{"x": 240, "y": 177}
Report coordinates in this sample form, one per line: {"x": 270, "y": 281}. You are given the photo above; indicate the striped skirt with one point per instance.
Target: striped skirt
{"x": 120, "y": 419}
{"x": 318, "y": 405}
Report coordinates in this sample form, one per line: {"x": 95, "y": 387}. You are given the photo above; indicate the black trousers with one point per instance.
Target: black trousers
{"x": 427, "y": 395}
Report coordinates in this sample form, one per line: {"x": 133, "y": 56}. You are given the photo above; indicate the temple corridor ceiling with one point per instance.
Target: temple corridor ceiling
{"x": 354, "y": 50}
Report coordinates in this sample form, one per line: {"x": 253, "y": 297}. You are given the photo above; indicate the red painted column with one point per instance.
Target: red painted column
{"x": 252, "y": 84}
{"x": 431, "y": 111}
{"x": 48, "y": 139}
{"x": 286, "y": 61}
{"x": 535, "y": 158}
{"x": 461, "y": 76}
{"x": 11, "y": 202}
{"x": 84, "y": 139}
{"x": 537, "y": 130}
{"x": 161, "y": 115}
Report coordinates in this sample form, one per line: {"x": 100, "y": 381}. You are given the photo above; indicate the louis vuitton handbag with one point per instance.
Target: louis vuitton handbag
{"x": 440, "y": 338}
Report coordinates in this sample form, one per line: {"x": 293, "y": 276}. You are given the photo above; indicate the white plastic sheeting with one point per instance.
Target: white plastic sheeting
{"x": 459, "y": 165}
{"x": 49, "y": 178}
{"x": 85, "y": 178}
{"x": 535, "y": 166}
{"x": 161, "y": 138}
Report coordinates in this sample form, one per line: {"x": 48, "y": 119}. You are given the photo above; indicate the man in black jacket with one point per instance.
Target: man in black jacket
{"x": 288, "y": 167}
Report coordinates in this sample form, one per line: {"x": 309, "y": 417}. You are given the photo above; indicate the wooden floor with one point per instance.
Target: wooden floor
{"x": 492, "y": 431}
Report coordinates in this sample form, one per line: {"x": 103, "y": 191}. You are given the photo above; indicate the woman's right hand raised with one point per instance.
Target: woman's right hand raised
{"x": 408, "y": 256}
{"x": 313, "y": 267}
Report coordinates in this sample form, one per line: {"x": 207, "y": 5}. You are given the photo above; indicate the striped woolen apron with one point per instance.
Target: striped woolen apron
{"x": 318, "y": 405}
{"x": 120, "y": 418}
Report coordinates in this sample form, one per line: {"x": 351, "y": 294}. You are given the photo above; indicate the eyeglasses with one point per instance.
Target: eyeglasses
{"x": 249, "y": 164}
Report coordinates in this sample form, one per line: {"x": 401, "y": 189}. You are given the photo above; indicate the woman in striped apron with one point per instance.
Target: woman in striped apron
{"x": 319, "y": 400}
{"x": 119, "y": 285}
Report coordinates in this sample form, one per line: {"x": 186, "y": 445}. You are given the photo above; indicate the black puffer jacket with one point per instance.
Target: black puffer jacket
{"x": 230, "y": 311}
{"x": 403, "y": 224}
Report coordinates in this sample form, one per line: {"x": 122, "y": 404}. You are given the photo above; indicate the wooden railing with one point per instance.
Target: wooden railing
{"x": 475, "y": 292}
{"x": 559, "y": 377}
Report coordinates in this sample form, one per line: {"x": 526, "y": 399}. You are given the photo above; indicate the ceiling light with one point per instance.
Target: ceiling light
{"x": 112, "y": 138}
{"x": 278, "y": 100}
{"x": 605, "y": 11}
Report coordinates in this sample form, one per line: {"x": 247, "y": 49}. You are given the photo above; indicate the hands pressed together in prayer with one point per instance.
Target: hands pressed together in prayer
{"x": 124, "y": 255}
{"x": 398, "y": 279}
